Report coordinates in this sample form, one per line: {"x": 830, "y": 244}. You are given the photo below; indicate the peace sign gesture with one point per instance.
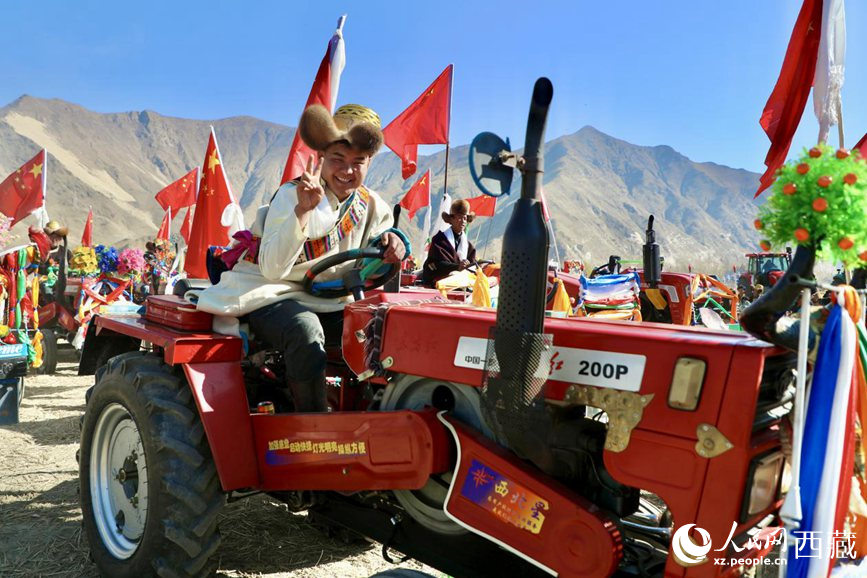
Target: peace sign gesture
{"x": 309, "y": 187}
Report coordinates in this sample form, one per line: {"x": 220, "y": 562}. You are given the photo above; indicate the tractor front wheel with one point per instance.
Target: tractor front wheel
{"x": 49, "y": 352}
{"x": 149, "y": 489}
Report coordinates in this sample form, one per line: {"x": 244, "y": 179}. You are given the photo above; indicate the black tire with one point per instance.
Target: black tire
{"x": 140, "y": 402}
{"x": 20, "y": 390}
{"x": 49, "y": 352}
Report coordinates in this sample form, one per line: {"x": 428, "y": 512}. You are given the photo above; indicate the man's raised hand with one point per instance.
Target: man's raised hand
{"x": 309, "y": 187}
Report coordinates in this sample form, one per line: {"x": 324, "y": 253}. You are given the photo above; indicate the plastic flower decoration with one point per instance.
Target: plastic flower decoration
{"x": 106, "y": 258}
{"x": 819, "y": 200}
{"x": 83, "y": 262}
{"x": 130, "y": 262}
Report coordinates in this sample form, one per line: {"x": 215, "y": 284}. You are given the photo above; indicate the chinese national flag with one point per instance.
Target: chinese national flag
{"x": 417, "y": 196}
{"x": 483, "y": 206}
{"x": 425, "y": 121}
{"x": 324, "y": 92}
{"x": 208, "y": 229}
{"x": 187, "y": 226}
{"x": 23, "y": 191}
{"x": 179, "y": 194}
{"x": 785, "y": 106}
{"x": 87, "y": 235}
{"x": 166, "y": 226}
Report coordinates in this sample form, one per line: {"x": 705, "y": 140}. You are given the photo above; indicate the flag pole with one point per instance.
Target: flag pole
{"x": 449, "y": 131}
{"x": 840, "y": 122}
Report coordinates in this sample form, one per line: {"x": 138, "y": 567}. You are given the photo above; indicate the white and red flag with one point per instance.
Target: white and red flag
{"x": 324, "y": 92}
{"x": 828, "y": 81}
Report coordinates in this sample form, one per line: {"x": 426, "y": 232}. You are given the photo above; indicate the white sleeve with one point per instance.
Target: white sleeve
{"x": 282, "y": 238}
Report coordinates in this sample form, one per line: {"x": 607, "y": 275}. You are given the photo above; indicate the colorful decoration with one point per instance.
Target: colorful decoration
{"x": 130, "y": 262}
{"x": 106, "y": 258}
{"x": 820, "y": 199}
{"x": 83, "y": 262}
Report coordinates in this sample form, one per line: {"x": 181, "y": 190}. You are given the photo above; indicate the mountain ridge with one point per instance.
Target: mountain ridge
{"x": 600, "y": 189}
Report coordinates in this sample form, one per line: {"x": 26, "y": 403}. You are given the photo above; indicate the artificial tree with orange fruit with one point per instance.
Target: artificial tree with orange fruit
{"x": 820, "y": 200}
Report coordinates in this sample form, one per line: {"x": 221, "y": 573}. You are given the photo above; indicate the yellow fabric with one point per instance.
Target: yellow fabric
{"x": 37, "y": 348}
{"x": 482, "y": 291}
{"x": 34, "y": 295}
{"x": 656, "y": 298}
{"x": 457, "y": 280}
{"x": 561, "y": 299}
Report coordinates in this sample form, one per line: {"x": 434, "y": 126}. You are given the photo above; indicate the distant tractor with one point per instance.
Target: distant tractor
{"x": 764, "y": 269}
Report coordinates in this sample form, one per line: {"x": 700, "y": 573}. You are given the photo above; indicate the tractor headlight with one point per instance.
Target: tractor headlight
{"x": 686, "y": 383}
{"x": 763, "y": 489}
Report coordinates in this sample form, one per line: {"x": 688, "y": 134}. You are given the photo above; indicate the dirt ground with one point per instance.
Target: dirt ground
{"x": 40, "y": 517}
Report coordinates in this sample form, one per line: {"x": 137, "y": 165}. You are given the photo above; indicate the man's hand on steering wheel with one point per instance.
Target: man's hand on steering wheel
{"x": 393, "y": 247}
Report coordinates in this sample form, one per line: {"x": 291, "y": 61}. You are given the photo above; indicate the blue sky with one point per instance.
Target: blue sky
{"x": 690, "y": 74}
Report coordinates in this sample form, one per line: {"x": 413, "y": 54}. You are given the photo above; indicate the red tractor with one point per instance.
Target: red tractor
{"x": 480, "y": 442}
{"x": 764, "y": 269}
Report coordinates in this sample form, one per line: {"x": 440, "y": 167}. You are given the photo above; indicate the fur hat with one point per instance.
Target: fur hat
{"x": 459, "y": 207}
{"x": 357, "y": 125}
{"x": 55, "y": 228}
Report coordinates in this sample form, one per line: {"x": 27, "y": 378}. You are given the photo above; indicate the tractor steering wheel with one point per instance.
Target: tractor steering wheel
{"x": 356, "y": 280}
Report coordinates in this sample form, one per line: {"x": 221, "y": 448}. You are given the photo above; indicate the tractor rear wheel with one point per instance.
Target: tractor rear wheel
{"x": 149, "y": 489}
{"x": 49, "y": 352}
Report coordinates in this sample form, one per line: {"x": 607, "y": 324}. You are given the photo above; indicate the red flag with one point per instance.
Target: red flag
{"x": 425, "y": 121}
{"x": 324, "y": 92}
{"x": 24, "y": 190}
{"x": 215, "y": 197}
{"x": 483, "y": 206}
{"x": 786, "y": 104}
{"x": 165, "y": 227}
{"x": 187, "y": 226}
{"x": 87, "y": 235}
{"x": 417, "y": 196}
{"x": 179, "y": 194}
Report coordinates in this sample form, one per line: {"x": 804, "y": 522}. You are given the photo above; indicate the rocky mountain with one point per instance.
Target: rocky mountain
{"x": 600, "y": 190}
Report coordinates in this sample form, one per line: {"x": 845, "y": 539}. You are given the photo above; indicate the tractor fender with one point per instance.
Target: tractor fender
{"x": 218, "y": 389}
{"x": 100, "y": 346}
{"x": 53, "y": 314}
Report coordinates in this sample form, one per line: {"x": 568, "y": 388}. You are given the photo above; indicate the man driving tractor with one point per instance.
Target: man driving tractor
{"x": 450, "y": 250}
{"x": 326, "y": 211}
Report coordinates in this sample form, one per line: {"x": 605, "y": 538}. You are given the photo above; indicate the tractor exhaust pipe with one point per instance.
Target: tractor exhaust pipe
{"x": 524, "y": 261}
{"x": 513, "y": 393}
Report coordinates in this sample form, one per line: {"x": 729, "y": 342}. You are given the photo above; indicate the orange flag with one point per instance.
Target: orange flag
{"x": 324, "y": 92}
{"x": 216, "y": 212}
{"x": 417, "y": 196}
{"x": 23, "y": 192}
{"x": 166, "y": 226}
{"x": 87, "y": 235}
{"x": 179, "y": 194}
{"x": 483, "y": 206}
{"x": 425, "y": 121}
